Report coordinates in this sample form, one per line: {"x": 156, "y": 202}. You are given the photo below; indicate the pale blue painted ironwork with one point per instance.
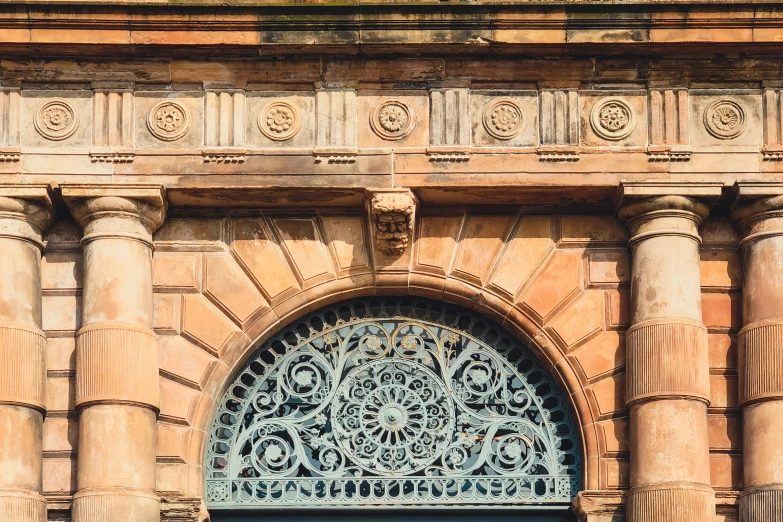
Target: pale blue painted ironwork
{"x": 392, "y": 401}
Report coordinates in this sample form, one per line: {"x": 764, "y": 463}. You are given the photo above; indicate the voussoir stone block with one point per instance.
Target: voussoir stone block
{"x": 522, "y": 254}
{"x": 480, "y": 242}
{"x": 205, "y": 324}
{"x": 253, "y": 245}
{"x": 603, "y": 354}
{"x": 301, "y": 239}
{"x": 347, "y": 237}
{"x": 230, "y": 289}
{"x": 436, "y": 241}
{"x": 181, "y": 358}
{"x": 580, "y": 319}
{"x": 560, "y": 279}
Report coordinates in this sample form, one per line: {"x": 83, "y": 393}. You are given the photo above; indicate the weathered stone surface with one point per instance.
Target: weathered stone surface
{"x": 509, "y": 155}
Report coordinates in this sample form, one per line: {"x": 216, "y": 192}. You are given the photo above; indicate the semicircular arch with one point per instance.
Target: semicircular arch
{"x": 538, "y": 344}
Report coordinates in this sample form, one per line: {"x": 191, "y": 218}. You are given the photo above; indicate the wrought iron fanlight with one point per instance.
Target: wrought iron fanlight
{"x": 392, "y": 401}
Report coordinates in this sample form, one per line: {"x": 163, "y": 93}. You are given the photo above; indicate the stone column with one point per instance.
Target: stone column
{"x": 25, "y": 212}
{"x": 667, "y": 367}
{"x": 758, "y": 212}
{"x": 117, "y": 387}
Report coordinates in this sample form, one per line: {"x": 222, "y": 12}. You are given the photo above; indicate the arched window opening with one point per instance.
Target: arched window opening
{"x": 392, "y": 401}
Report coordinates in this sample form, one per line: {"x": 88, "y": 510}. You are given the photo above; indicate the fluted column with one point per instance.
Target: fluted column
{"x": 117, "y": 388}
{"x": 758, "y": 212}
{"x": 25, "y": 212}
{"x": 667, "y": 367}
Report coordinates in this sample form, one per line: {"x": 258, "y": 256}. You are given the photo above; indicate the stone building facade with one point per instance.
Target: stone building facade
{"x": 180, "y": 186}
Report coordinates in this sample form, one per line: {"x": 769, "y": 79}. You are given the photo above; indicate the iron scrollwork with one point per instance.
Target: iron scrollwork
{"x": 392, "y": 402}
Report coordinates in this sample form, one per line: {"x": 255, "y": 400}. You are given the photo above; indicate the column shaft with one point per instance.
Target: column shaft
{"x": 24, "y": 213}
{"x": 117, "y": 389}
{"x": 760, "y": 351}
{"x": 667, "y": 367}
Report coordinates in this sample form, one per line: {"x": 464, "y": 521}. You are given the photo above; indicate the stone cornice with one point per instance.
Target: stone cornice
{"x": 141, "y": 23}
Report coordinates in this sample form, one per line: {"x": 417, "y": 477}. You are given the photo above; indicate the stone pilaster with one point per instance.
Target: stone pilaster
{"x": 117, "y": 390}
{"x": 25, "y": 212}
{"x": 667, "y": 368}
{"x": 758, "y": 212}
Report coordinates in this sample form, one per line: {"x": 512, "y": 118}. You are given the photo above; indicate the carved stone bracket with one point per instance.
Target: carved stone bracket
{"x": 392, "y": 214}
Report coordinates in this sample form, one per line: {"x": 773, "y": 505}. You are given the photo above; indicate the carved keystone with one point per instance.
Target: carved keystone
{"x": 392, "y": 214}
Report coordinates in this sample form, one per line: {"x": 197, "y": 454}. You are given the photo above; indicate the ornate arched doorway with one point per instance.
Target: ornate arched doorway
{"x": 384, "y": 402}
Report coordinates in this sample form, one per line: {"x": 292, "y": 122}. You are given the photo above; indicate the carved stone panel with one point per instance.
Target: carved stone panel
{"x": 56, "y": 118}
{"x": 280, "y": 120}
{"x": 726, "y": 118}
{"x": 224, "y": 124}
{"x": 773, "y": 125}
{"x": 617, "y": 119}
{"x": 559, "y": 117}
{"x": 10, "y": 101}
{"x": 393, "y": 119}
{"x": 450, "y": 117}
{"x": 112, "y": 137}
{"x": 166, "y": 120}
{"x": 504, "y": 118}
{"x": 336, "y": 118}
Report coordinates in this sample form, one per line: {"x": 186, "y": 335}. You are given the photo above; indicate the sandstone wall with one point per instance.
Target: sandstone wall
{"x": 223, "y": 285}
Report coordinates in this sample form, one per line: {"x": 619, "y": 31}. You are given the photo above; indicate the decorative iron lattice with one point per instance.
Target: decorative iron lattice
{"x": 392, "y": 401}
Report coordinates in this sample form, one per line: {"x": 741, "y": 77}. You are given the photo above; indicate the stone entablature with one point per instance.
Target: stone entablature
{"x": 604, "y": 183}
{"x": 336, "y": 124}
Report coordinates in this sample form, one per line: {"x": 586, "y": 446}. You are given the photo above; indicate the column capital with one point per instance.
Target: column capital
{"x": 665, "y": 208}
{"x": 757, "y": 209}
{"x": 89, "y": 204}
{"x": 637, "y": 198}
{"x": 26, "y": 211}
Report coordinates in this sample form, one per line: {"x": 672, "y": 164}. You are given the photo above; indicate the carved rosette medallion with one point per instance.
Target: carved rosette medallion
{"x": 56, "y": 119}
{"x": 279, "y": 121}
{"x": 613, "y": 119}
{"x": 393, "y": 119}
{"x": 725, "y": 119}
{"x": 503, "y": 119}
{"x": 169, "y": 120}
